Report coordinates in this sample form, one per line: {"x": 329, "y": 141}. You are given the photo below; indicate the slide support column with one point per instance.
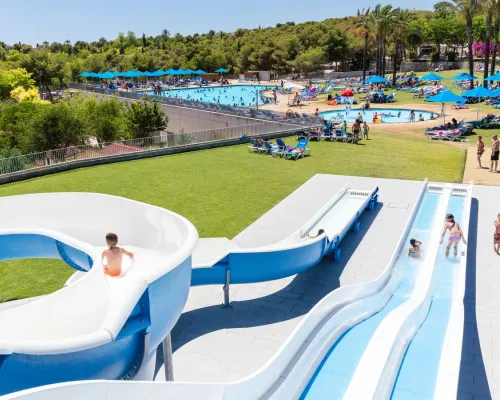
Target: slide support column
{"x": 227, "y": 302}
{"x": 167, "y": 358}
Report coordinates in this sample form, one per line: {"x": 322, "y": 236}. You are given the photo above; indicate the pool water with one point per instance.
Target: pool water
{"x": 389, "y": 115}
{"x": 237, "y": 95}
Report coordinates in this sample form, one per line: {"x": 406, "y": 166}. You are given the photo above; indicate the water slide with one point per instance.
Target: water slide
{"x": 104, "y": 328}
{"x": 399, "y": 336}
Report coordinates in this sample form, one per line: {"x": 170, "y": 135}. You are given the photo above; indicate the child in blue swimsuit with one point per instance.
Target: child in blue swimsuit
{"x": 414, "y": 250}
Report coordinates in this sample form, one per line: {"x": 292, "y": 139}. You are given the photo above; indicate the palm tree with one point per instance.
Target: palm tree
{"x": 381, "y": 23}
{"x": 489, "y": 7}
{"x": 496, "y": 27}
{"x": 364, "y": 27}
{"x": 468, "y": 9}
{"x": 400, "y": 27}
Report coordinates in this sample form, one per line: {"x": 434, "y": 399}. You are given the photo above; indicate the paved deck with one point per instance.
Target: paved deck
{"x": 214, "y": 344}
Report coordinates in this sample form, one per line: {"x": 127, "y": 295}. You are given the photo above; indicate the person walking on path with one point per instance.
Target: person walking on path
{"x": 366, "y": 129}
{"x": 480, "y": 150}
{"x": 356, "y": 129}
{"x": 495, "y": 152}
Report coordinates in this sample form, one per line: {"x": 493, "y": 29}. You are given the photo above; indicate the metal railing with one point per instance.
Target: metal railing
{"x": 296, "y": 119}
{"x": 50, "y": 158}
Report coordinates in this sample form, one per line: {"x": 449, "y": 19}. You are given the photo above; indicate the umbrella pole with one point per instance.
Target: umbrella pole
{"x": 478, "y": 105}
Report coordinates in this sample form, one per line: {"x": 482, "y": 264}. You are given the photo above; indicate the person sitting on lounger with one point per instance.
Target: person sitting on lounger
{"x": 320, "y": 232}
{"x": 414, "y": 251}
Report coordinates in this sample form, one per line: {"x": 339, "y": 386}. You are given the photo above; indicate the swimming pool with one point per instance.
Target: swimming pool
{"x": 389, "y": 115}
{"x": 237, "y": 95}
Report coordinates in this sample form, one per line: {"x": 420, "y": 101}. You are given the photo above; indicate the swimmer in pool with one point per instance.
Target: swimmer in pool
{"x": 414, "y": 251}
{"x": 113, "y": 257}
{"x": 456, "y": 234}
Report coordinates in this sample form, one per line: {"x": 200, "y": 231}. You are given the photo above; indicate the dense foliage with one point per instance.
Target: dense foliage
{"x": 287, "y": 47}
{"x": 29, "y": 126}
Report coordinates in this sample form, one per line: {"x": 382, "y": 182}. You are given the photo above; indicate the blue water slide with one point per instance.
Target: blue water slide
{"x": 97, "y": 327}
{"x": 291, "y": 256}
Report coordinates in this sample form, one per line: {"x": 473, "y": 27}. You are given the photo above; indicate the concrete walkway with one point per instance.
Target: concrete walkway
{"x": 215, "y": 344}
{"x": 475, "y": 174}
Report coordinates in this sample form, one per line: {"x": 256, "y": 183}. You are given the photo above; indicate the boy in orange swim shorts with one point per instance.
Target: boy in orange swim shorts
{"x": 113, "y": 257}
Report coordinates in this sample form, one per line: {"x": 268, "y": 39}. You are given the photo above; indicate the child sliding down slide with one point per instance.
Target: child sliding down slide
{"x": 113, "y": 257}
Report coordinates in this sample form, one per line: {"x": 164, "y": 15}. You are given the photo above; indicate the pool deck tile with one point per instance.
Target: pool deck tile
{"x": 213, "y": 344}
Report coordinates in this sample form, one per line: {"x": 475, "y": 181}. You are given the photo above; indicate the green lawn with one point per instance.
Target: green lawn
{"x": 30, "y": 278}
{"x": 222, "y": 191}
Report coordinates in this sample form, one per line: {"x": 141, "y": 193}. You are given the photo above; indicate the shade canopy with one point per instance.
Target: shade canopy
{"x": 106, "y": 75}
{"x": 495, "y": 77}
{"x": 92, "y": 75}
{"x": 377, "y": 79}
{"x": 432, "y": 77}
{"x": 495, "y": 93}
{"x": 189, "y": 71}
{"x": 84, "y": 74}
{"x": 464, "y": 77}
{"x": 200, "y": 72}
{"x": 478, "y": 92}
{"x": 445, "y": 97}
{"x": 222, "y": 71}
{"x": 290, "y": 85}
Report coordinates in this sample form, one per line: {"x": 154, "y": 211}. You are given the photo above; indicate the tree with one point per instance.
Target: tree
{"x": 56, "y": 126}
{"x": 400, "y": 29}
{"x": 105, "y": 119}
{"x": 146, "y": 117}
{"x": 51, "y": 70}
{"x": 364, "y": 28}
{"x": 490, "y": 7}
{"x": 310, "y": 61}
{"x": 13, "y": 78}
{"x": 468, "y": 9}
{"x": 496, "y": 29}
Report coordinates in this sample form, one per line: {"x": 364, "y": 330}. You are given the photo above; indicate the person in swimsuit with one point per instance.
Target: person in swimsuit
{"x": 320, "y": 232}
{"x": 414, "y": 250}
{"x": 495, "y": 152}
{"x": 456, "y": 234}
{"x": 113, "y": 257}
{"x": 366, "y": 130}
{"x": 496, "y": 235}
{"x": 356, "y": 129}
{"x": 480, "y": 150}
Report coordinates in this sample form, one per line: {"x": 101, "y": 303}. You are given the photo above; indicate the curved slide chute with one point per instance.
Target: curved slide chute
{"x": 221, "y": 261}
{"x": 292, "y": 371}
{"x": 97, "y": 327}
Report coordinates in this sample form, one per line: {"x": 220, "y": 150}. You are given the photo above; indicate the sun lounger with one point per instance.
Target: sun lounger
{"x": 280, "y": 148}
{"x": 298, "y": 151}
{"x": 254, "y": 146}
{"x": 460, "y": 105}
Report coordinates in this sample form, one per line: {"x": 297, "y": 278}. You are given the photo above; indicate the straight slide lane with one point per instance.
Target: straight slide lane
{"x": 220, "y": 261}
{"x": 332, "y": 377}
{"x": 417, "y": 376}
{"x": 384, "y": 353}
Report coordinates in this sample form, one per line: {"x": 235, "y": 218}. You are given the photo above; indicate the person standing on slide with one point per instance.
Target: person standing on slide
{"x": 456, "y": 234}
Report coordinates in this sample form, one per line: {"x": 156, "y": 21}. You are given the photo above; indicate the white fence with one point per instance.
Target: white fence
{"x": 101, "y": 150}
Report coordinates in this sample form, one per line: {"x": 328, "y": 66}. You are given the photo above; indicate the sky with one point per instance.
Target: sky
{"x": 36, "y": 21}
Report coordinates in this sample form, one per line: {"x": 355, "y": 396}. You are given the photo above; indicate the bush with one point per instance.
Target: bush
{"x": 451, "y": 56}
{"x": 146, "y": 117}
{"x": 435, "y": 56}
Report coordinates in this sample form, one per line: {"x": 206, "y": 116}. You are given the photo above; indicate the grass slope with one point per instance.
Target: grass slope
{"x": 222, "y": 191}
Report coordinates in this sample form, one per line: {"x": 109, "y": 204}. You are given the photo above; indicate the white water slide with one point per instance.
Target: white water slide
{"x": 381, "y": 320}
